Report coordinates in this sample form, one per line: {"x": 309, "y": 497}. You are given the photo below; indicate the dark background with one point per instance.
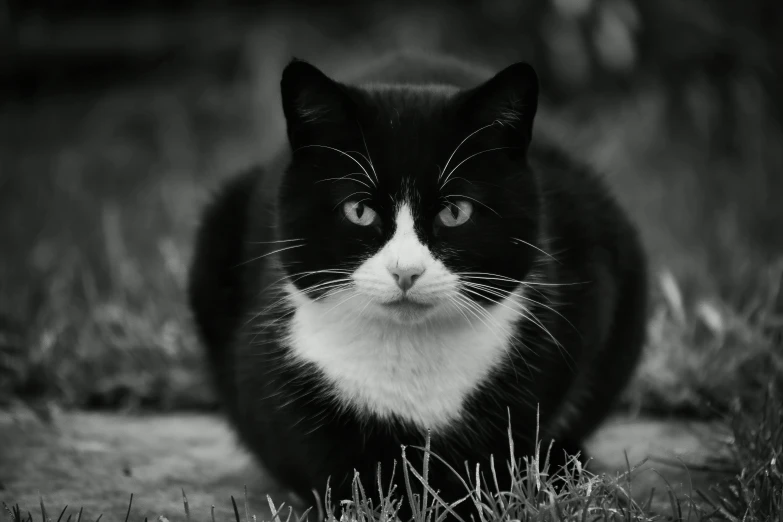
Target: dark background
{"x": 118, "y": 117}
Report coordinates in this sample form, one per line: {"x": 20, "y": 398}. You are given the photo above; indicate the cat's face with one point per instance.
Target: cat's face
{"x": 408, "y": 203}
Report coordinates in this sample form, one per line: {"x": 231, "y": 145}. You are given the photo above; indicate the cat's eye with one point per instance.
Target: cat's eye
{"x": 455, "y": 214}
{"x": 359, "y": 213}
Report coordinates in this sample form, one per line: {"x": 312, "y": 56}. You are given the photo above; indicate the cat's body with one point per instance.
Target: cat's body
{"x": 528, "y": 283}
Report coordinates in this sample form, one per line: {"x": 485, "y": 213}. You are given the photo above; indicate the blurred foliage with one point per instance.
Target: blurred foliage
{"x": 583, "y": 45}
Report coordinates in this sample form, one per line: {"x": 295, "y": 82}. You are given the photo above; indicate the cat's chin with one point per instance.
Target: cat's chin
{"x": 407, "y": 311}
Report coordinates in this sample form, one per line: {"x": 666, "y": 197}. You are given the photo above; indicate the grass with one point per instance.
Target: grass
{"x": 99, "y": 319}
{"x": 701, "y": 357}
{"x": 756, "y": 493}
{"x": 753, "y": 493}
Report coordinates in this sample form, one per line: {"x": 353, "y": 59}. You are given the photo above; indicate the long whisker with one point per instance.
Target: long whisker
{"x": 529, "y": 366}
{"x": 296, "y": 276}
{"x": 553, "y": 258}
{"x": 361, "y": 312}
{"x": 500, "y": 293}
{"x": 352, "y": 195}
{"x": 344, "y": 154}
{"x": 477, "y": 201}
{"x": 369, "y": 158}
{"x": 355, "y": 294}
{"x": 336, "y": 288}
{"x": 478, "y": 312}
{"x": 518, "y": 312}
{"x": 511, "y": 280}
{"x": 446, "y": 166}
{"x": 459, "y": 308}
{"x": 475, "y": 306}
{"x": 268, "y": 324}
{"x": 472, "y": 307}
{"x": 299, "y": 275}
{"x": 531, "y": 317}
{"x": 466, "y": 276}
{"x": 346, "y": 177}
{"x": 334, "y": 291}
{"x": 271, "y": 242}
{"x": 470, "y": 157}
{"x": 266, "y": 255}
{"x": 317, "y": 286}
{"x": 443, "y": 185}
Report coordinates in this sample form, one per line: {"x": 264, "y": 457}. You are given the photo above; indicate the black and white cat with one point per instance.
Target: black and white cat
{"x": 415, "y": 263}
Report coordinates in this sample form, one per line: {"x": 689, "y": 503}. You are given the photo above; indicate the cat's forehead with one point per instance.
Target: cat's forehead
{"x": 407, "y": 130}
{"x": 408, "y": 104}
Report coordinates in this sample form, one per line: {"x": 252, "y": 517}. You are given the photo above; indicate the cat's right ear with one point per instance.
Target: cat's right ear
{"x": 313, "y": 103}
{"x": 508, "y": 102}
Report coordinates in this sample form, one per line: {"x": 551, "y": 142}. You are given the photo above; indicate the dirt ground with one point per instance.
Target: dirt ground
{"x": 97, "y": 460}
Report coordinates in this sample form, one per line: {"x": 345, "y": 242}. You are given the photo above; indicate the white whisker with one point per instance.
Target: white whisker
{"x": 517, "y": 281}
{"x": 518, "y": 312}
{"x": 369, "y": 158}
{"x": 460, "y": 145}
{"x": 477, "y": 201}
{"x": 485, "y": 313}
{"x": 352, "y": 195}
{"x": 553, "y": 258}
{"x": 443, "y": 185}
{"x": 522, "y": 296}
{"x": 344, "y": 154}
{"x": 337, "y": 283}
{"x": 271, "y": 242}
{"x": 531, "y": 316}
{"x": 266, "y": 255}
{"x": 346, "y": 177}
{"x": 470, "y": 157}
{"x": 341, "y": 303}
{"x": 460, "y": 309}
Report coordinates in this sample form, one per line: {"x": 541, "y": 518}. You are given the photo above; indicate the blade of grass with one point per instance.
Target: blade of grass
{"x": 185, "y": 504}
{"x": 62, "y": 513}
{"x": 236, "y": 511}
{"x": 247, "y": 507}
{"x": 130, "y": 503}
{"x": 43, "y": 509}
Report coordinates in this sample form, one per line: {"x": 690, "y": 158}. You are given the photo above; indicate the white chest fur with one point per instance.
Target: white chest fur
{"x": 420, "y": 373}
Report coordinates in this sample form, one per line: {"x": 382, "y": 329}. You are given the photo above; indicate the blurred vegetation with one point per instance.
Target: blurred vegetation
{"x": 117, "y": 118}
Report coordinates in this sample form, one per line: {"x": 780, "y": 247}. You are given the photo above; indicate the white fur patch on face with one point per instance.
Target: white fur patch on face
{"x": 375, "y": 278}
{"x": 418, "y": 363}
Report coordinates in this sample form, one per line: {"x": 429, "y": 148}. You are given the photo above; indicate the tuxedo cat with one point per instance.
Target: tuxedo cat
{"x": 418, "y": 260}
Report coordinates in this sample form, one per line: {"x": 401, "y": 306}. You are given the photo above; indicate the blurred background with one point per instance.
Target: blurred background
{"x": 117, "y": 119}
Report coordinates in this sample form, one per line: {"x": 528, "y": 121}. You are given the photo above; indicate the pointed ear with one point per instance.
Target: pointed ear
{"x": 509, "y": 101}
{"x": 312, "y": 102}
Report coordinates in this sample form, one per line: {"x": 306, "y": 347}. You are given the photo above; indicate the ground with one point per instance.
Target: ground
{"x": 98, "y": 460}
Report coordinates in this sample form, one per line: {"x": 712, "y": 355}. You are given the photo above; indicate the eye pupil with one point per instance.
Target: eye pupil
{"x": 455, "y": 214}
{"x": 359, "y": 210}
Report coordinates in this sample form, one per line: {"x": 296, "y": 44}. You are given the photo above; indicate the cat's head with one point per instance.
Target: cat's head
{"x": 408, "y": 202}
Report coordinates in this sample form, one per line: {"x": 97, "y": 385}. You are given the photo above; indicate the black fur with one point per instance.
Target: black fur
{"x": 285, "y": 414}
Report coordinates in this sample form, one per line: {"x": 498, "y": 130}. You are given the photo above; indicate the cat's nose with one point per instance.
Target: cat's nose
{"x": 406, "y": 277}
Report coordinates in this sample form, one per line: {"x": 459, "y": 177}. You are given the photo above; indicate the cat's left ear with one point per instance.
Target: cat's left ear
{"x": 314, "y": 104}
{"x": 508, "y": 102}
